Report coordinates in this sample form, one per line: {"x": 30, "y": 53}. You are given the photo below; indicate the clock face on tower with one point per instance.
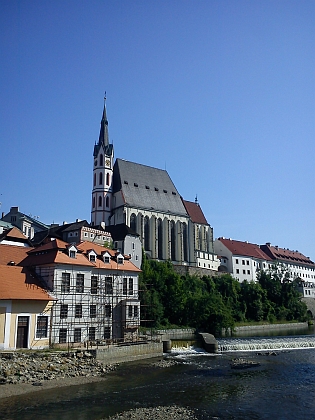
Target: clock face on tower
{"x": 107, "y": 162}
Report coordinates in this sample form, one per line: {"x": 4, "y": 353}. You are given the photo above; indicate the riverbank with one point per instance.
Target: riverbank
{"x": 21, "y": 373}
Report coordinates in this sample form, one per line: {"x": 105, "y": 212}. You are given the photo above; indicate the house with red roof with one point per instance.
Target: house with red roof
{"x": 96, "y": 291}
{"x": 25, "y": 306}
{"x": 241, "y": 259}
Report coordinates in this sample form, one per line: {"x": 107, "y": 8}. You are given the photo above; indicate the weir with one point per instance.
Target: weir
{"x": 268, "y": 343}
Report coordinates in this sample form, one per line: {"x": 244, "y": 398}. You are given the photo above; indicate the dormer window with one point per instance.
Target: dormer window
{"x": 92, "y": 256}
{"x": 106, "y": 258}
{"x": 72, "y": 251}
{"x": 120, "y": 259}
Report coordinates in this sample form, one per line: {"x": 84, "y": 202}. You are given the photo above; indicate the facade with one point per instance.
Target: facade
{"x": 25, "y": 307}
{"x": 146, "y": 200}
{"x": 241, "y": 259}
{"x": 96, "y": 291}
{"x": 27, "y": 224}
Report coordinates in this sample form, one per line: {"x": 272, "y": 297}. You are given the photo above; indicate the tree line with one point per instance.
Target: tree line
{"x": 213, "y": 303}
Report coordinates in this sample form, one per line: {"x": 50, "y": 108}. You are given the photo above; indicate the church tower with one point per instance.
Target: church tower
{"x": 102, "y": 176}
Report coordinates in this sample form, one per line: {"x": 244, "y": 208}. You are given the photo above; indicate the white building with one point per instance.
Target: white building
{"x": 241, "y": 259}
{"x": 96, "y": 291}
{"x": 28, "y": 224}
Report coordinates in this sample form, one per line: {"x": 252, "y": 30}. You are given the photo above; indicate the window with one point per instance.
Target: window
{"x": 63, "y": 335}
{"x": 94, "y": 180}
{"x": 101, "y": 160}
{"x": 93, "y": 285}
{"x": 248, "y": 271}
{"x": 42, "y": 327}
{"x": 108, "y": 285}
{"x": 100, "y": 178}
{"x": 63, "y": 311}
{"x": 120, "y": 260}
{"x": 244, "y": 271}
{"x": 236, "y": 261}
{"x": 108, "y": 311}
{"x": 243, "y": 262}
{"x": 79, "y": 287}
{"x": 124, "y": 285}
{"x": 133, "y": 245}
{"x": 100, "y": 201}
{"x": 78, "y": 311}
{"x": 92, "y": 331}
{"x": 107, "y": 201}
{"x": 65, "y": 283}
{"x": 130, "y": 287}
{"x": 237, "y": 271}
{"x": 106, "y": 259}
{"x": 92, "y": 311}
{"x": 77, "y": 335}
{"x": 247, "y": 262}
{"x": 106, "y": 333}
{"x": 93, "y": 207}
{"x": 135, "y": 311}
{"x": 107, "y": 179}
{"x": 92, "y": 257}
{"x": 72, "y": 254}
{"x": 130, "y": 311}
{"x": 85, "y": 234}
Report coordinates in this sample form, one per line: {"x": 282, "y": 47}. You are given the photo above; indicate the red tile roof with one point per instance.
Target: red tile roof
{"x": 9, "y": 253}
{"x": 17, "y": 283}
{"x": 195, "y": 212}
{"x": 286, "y": 255}
{"x": 244, "y": 248}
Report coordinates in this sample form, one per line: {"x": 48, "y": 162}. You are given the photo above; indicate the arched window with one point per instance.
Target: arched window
{"x": 185, "y": 242}
{"x": 133, "y": 222}
{"x": 93, "y": 202}
{"x": 107, "y": 201}
{"x": 101, "y": 160}
{"x": 107, "y": 179}
{"x": 173, "y": 243}
{"x": 101, "y": 179}
{"x": 160, "y": 239}
{"x": 94, "y": 181}
{"x": 100, "y": 201}
{"x": 146, "y": 233}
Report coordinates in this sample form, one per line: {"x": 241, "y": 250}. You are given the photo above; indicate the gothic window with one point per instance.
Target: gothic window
{"x": 173, "y": 244}
{"x": 100, "y": 201}
{"x": 93, "y": 202}
{"x": 107, "y": 201}
{"x": 101, "y": 160}
{"x": 133, "y": 222}
{"x": 101, "y": 178}
{"x": 107, "y": 179}
{"x": 94, "y": 182}
{"x": 185, "y": 242}
{"x": 146, "y": 233}
{"x": 160, "y": 239}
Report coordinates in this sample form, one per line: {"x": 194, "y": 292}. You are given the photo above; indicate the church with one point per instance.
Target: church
{"x": 146, "y": 200}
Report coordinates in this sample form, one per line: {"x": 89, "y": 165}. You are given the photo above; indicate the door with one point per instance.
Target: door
{"x": 22, "y": 332}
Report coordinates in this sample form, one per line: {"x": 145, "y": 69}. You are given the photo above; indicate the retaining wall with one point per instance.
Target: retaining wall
{"x": 128, "y": 353}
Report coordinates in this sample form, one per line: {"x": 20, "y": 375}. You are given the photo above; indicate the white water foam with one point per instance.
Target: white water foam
{"x": 274, "y": 343}
{"x": 188, "y": 351}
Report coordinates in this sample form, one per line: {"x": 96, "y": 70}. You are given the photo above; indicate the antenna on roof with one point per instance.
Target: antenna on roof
{"x": 196, "y": 199}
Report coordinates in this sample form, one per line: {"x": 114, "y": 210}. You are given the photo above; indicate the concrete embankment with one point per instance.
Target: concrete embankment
{"x": 266, "y": 327}
{"x": 128, "y": 353}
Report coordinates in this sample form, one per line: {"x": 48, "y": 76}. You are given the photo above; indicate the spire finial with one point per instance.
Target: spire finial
{"x": 196, "y": 199}
{"x": 105, "y": 96}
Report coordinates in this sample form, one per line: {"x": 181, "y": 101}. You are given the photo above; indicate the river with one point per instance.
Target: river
{"x": 282, "y": 386}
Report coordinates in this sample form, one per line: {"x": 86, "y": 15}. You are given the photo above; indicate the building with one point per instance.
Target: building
{"x": 96, "y": 291}
{"x": 25, "y": 306}
{"x": 28, "y": 224}
{"x": 146, "y": 200}
{"x": 241, "y": 259}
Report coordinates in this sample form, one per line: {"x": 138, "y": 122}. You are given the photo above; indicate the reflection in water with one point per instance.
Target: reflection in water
{"x": 281, "y": 387}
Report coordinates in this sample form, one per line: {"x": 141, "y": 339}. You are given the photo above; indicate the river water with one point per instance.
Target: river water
{"x": 282, "y": 386}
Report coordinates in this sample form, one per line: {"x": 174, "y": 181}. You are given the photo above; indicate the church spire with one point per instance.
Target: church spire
{"x": 103, "y": 138}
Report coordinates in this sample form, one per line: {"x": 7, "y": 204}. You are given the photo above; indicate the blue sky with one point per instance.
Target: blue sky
{"x": 220, "y": 93}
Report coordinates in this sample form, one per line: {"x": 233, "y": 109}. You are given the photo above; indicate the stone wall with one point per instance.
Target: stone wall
{"x": 310, "y": 303}
{"x": 195, "y": 271}
{"x": 129, "y": 352}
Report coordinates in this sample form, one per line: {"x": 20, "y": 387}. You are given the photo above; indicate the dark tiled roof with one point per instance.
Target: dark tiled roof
{"x": 147, "y": 188}
{"x": 282, "y": 254}
{"x": 119, "y": 232}
{"x": 244, "y": 248}
{"x": 195, "y": 212}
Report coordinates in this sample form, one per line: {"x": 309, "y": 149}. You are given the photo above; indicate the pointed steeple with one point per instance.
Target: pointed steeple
{"x": 103, "y": 138}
